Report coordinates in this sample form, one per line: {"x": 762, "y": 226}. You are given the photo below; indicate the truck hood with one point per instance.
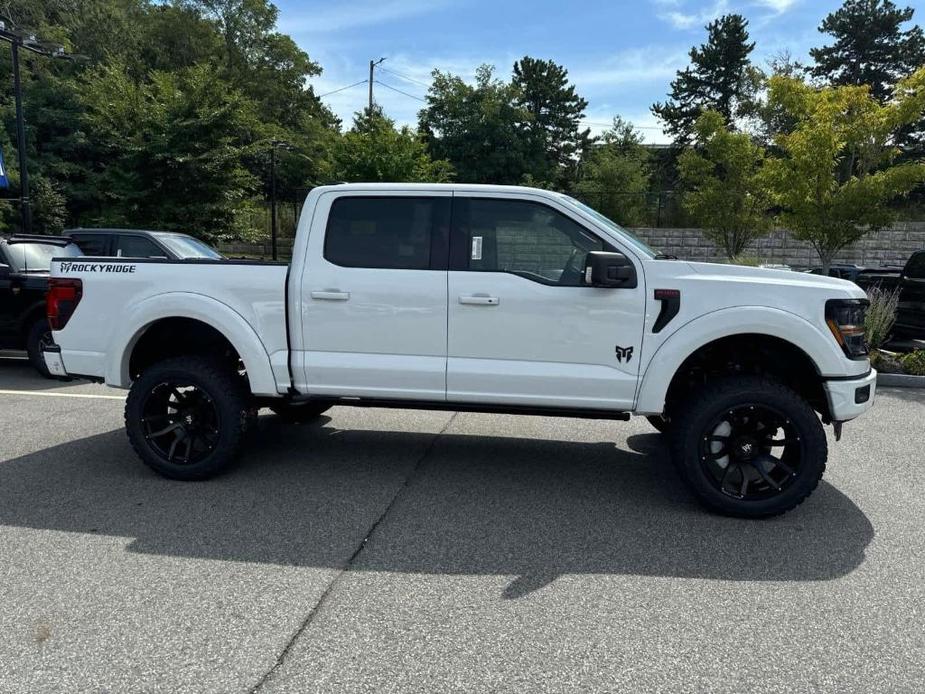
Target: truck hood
{"x": 831, "y": 286}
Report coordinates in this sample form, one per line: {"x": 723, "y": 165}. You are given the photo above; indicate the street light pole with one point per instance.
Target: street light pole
{"x": 273, "y": 199}
{"x": 25, "y": 208}
{"x": 27, "y": 41}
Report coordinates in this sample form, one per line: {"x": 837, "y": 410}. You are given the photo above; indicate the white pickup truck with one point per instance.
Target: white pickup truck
{"x": 475, "y": 298}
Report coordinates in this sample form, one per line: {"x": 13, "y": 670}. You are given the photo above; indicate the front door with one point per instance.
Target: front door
{"x": 374, "y": 297}
{"x": 523, "y": 327}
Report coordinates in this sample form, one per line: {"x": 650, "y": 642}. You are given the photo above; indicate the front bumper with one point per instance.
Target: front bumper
{"x": 53, "y": 361}
{"x": 849, "y": 398}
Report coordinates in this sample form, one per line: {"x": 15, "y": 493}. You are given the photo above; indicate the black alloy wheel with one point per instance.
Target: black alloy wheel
{"x": 185, "y": 417}
{"x": 749, "y": 446}
{"x": 180, "y": 422}
{"x": 751, "y": 452}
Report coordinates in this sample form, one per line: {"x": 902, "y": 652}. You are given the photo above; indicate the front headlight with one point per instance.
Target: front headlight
{"x": 845, "y": 318}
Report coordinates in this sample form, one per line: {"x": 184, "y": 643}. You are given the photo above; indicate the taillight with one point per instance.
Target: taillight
{"x": 61, "y": 300}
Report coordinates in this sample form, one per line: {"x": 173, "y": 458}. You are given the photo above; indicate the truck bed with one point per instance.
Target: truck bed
{"x": 117, "y": 294}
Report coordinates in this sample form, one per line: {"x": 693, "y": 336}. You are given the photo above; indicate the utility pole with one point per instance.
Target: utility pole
{"x": 372, "y": 67}
{"x": 25, "y": 207}
{"x": 27, "y": 41}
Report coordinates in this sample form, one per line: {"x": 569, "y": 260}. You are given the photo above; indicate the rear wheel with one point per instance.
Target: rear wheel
{"x": 749, "y": 447}
{"x": 39, "y": 336}
{"x": 186, "y": 416}
{"x": 299, "y": 413}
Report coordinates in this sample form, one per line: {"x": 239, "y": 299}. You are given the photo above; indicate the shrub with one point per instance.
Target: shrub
{"x": 914, "y": 362}
{"x": 881, "y": 314}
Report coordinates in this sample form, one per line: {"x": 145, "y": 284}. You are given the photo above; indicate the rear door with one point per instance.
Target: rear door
{"x": 374, "y": 301}
{"x": 138, "y": 246}
{"x": 523, "y": 327}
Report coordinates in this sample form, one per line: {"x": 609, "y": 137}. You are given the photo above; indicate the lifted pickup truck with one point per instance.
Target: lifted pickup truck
{"x": 475, "y": 298}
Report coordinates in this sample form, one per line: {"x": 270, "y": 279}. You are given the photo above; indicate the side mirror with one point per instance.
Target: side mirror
{"x": 4, "y": 271}
{"x": 605, "y": 269}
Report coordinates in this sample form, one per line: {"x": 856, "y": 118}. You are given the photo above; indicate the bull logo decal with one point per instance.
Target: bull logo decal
{"x": 624, "y": 353}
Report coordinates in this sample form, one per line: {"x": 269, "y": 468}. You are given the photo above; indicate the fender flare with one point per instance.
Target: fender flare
{"x": 219, "y": 316}
{"x": 821, "y": 348}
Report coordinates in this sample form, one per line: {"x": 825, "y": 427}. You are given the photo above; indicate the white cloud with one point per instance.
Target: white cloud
{"x": 632, "y": 66}
{"x": 777, "y": 6}
{"x": 345, "y": 15}
{"x": 674, "y": 12}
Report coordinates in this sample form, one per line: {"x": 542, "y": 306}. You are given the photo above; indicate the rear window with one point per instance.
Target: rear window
{"x": 36, "y": 257}
{"x": 397, "y": 233}
{"x": 93, "y": 244}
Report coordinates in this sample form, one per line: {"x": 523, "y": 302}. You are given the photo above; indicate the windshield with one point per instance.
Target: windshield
{"x": 613, "y": 226}
{"x": 184, "y": 246}
{"x": 36, "y": 257}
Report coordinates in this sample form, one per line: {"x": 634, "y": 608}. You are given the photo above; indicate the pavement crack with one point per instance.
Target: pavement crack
{"x": 316, "y": 608}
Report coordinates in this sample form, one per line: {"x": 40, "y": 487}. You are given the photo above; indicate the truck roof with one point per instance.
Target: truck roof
{"x": 447, "y": 187}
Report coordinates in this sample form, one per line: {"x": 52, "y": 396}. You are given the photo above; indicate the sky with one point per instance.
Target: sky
{"x": 621, "y": 56}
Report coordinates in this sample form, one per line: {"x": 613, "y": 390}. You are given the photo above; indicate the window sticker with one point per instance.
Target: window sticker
{"x": 476, "y": 248}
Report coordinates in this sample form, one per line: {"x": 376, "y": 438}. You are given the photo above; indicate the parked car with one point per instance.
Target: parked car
{"x": 138, "y": 243}
{"x": 476, "y": 298}
{"x": 910, "y": 279}
{"x": 24, "y": 270}
{"x": 844, "y": 271}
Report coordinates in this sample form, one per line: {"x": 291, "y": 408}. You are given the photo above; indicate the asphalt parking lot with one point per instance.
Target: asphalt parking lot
{"x": 385, "y": 551}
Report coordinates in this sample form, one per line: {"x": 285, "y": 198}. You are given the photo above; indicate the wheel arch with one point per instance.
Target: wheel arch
{"x": 208, "y": 318}
{"x": 738, "y": 331}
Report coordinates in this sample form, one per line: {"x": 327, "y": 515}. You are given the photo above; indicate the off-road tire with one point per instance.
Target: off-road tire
{"x": 229, "y": 396}
{"x": 39, "y": 331}
{"x": 692, "y": 420}
{"x": 300, "y": 413}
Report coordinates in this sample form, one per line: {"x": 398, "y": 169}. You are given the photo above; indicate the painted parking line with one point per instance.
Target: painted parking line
{"x": 45, "y": 394}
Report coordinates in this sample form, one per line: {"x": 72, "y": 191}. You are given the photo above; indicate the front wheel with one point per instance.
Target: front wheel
{"x": 749, "y": 447}
{"x": 186, "y": 416}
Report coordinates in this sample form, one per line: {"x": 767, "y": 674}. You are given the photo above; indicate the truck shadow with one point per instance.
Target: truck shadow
{"x": 534, "y": 509}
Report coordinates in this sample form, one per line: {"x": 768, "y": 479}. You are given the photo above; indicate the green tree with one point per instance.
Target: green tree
{"x": 477, "y": 128}
{"x": 835, "y": 175}
{"x": 374, "y": 150}
{"x": 870, "y": 46}
{"x": 173, "y": 150}
{"x": 615, "y": 176}
{"x": 554, "y": 140}
{"x": 720, "y": 77}
{"x": 724, "y": 190}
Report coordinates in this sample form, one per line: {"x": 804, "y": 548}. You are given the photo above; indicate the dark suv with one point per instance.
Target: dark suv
{"x": 24, "y": 267}
{"x": 138, "y": 243}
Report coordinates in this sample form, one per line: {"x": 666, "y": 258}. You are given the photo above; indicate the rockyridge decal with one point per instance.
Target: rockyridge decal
{"x": 96, "y": 267}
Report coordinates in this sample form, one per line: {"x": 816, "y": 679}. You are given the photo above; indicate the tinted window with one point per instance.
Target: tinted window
{"x": 393, "y": 233}
{"x": 138, "y": 247}
{"x": 93, "y": 244}
{"x": 524, "y": 238}
{"x": 915, "y": 268}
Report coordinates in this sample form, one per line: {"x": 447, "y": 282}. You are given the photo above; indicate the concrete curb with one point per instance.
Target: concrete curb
{"x": 900, "y": 381}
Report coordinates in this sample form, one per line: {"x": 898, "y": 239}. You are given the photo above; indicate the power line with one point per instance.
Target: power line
{"x": 389, "y": 86}
{"x": 349, "y": 86}
{"x": 405, "y": 77}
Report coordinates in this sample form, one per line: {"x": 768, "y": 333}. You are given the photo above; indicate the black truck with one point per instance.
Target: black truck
{"x": 24, "y": 266}
{"x": 910, "y": 280}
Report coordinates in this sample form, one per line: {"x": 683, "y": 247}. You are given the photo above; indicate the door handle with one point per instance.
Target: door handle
{"x": 331, "y": 295}
{"x": 480, "y": 300}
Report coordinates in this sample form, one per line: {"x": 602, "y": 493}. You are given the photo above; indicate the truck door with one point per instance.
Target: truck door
{"x": 374, "y": 302}
{"x": 523, "y": 327}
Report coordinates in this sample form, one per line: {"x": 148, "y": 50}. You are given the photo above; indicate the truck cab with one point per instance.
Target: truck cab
{"x": 478, "y": 298}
